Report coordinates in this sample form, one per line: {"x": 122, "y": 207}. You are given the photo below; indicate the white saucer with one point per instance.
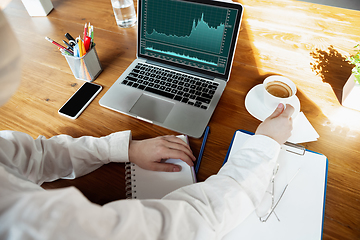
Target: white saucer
{"x": 254, "y": 104}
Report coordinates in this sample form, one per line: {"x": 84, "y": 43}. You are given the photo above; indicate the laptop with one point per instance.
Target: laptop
{"x": 185, "y": 51}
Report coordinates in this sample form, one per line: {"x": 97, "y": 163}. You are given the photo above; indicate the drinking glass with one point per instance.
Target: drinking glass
{"x": 124, "y": 12}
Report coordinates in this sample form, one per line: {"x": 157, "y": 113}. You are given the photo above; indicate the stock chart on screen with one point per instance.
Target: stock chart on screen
{"x": 187, "y": 33}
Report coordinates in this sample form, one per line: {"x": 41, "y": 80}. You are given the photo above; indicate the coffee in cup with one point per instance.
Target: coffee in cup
{"x": 278, "y": 89}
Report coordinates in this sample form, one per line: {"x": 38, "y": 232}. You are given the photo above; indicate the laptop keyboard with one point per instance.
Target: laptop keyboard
{"x": 170, "y": 84}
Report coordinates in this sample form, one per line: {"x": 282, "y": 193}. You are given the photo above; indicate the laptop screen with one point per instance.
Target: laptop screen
{"x": 194, "y": 34}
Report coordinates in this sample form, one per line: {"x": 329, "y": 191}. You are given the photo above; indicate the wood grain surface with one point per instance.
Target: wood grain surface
{"x": 305, "y": 42}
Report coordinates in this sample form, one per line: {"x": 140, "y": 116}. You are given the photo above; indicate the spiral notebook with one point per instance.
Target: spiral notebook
{"x": 300, "y": 211}
{"x": 146, "y": 184}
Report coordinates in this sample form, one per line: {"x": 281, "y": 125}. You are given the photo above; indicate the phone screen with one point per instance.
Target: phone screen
{"x": 80, "y": 100}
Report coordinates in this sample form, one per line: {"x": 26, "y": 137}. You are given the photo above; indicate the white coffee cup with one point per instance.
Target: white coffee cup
{"x": 278, "y": 89}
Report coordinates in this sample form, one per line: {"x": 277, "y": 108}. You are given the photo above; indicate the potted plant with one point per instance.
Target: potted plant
{"x": 351, "y": 89}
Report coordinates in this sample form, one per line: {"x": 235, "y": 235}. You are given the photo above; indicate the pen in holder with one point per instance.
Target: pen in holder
{"x": 87, "y": 67}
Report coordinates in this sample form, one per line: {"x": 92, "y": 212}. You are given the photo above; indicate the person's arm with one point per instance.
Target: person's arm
{"x": 206, "y": 210}
{"x": 61, "y": 156}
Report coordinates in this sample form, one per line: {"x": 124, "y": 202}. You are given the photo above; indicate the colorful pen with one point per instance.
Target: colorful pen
{"x": 87, "y": 43}
{"x": 85, "y": 31}
{"x": 79, "y": 43}
{"x": 76, "y": 51}
{"x": 68, "y": 45}
{"x": 89, "y": 28}
{"x": 64, "y": 52}
{"x": 60, "y": 46}
{"x": 72, "y": 41}
{"x": 92, "y": 35}
{"x": 81, "y": 46}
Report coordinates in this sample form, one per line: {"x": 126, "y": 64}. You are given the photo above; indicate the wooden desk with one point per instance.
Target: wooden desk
{"x": 304, "y": 42}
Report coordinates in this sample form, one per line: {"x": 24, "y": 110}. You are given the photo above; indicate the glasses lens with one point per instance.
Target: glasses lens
{"x": 265, "y": 206}
{"x": 267, "y": 203}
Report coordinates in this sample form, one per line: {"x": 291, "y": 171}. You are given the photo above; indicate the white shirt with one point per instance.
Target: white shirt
{"x": 206, "y": 210}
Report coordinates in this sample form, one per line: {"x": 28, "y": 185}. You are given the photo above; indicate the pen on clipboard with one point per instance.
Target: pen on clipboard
{"x": 202, "y": 149}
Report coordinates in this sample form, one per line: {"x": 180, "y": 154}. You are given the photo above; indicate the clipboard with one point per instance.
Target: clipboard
{"x": 300, "y": 212}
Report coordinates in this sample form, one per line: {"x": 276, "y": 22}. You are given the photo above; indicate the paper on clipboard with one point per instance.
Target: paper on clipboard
{"x": 301, "y": 209}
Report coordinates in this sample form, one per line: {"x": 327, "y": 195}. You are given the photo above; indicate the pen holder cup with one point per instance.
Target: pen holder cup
{"x": 85, "y": 68}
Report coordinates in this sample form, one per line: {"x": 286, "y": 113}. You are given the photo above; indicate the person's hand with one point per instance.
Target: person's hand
{"x": 151, "y": 153}
{"x": 278, "y": 125}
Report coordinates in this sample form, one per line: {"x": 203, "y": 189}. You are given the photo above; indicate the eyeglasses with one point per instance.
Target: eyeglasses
{"x": 268, "y": 204}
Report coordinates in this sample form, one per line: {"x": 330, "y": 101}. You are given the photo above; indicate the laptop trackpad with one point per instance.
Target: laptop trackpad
{"x": 152, "y": 108}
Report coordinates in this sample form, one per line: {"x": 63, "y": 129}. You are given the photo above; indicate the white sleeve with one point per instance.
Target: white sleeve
{"x": 225, "y": 200}
{"x": 61, "y": 156}
{"x": 206, "y": 210}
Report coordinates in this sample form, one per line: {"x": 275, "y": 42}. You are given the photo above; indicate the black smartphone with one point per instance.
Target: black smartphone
{"x": 80, "y": 100}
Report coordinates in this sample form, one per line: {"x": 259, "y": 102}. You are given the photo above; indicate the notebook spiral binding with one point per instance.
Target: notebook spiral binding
{"x": 129, "y": 182}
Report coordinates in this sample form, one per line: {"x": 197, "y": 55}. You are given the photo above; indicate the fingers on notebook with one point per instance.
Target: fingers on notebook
{"x": 175, "y": 144}
{"x": 174, "y": 139}
{"x": 171, "y": 147}
{"x": 166, "y": 167}
{"x": 151, "y": 153}
{"x": 178, "y": 154}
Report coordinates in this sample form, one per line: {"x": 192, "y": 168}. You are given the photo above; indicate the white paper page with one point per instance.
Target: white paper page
{"x": 302, "y": 131}
{"x": 155, "y": 185}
